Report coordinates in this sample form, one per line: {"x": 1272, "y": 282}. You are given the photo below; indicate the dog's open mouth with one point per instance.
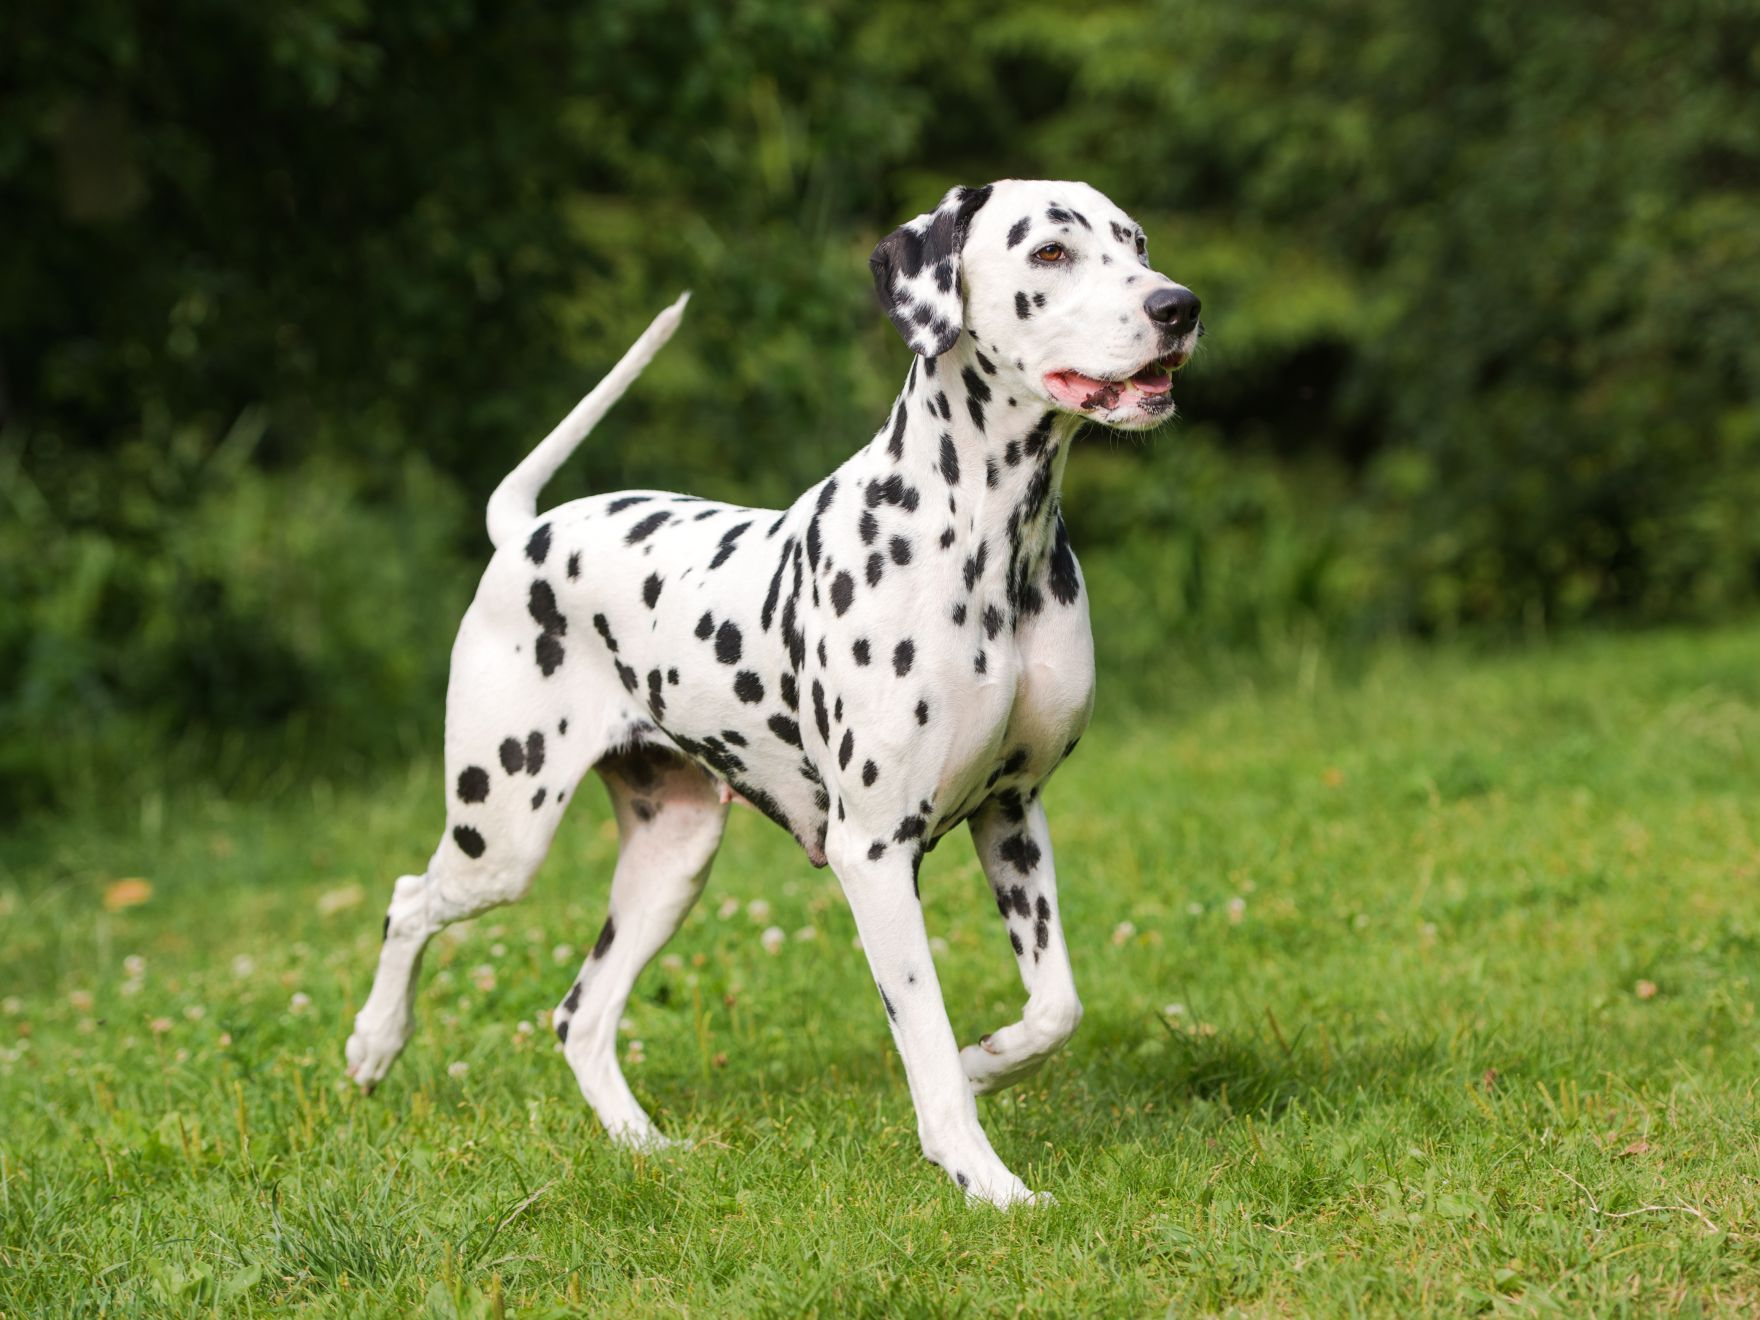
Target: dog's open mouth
{"x": 1147, "y": 388}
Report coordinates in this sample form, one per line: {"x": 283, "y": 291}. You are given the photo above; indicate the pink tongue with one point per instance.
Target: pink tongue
{"x": 1079, "y": 391}
{"x": 1075, "y": 390}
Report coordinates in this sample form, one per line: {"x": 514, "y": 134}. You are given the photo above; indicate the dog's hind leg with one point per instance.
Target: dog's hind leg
{"x": 511, "y": 762}
{"x": 1014, "y": 845}
{"x": 669, "y": 819}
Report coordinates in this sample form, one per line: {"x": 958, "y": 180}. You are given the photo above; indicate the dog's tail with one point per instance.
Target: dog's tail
{"x": 514, "y": 505}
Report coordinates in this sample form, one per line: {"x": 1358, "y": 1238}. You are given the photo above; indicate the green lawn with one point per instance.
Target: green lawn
{"x": 1430, "y": 991}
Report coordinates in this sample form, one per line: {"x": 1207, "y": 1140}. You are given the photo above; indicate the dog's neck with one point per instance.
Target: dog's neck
{"x": 982, "y": 449}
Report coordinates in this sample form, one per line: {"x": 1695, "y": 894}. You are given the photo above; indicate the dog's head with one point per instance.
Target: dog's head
{"x": 1054, "y": 280}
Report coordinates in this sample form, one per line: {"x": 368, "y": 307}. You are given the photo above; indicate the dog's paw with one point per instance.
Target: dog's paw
{"x": 1004, "y": 1192}
{"x": 645, "y": 1139}
{"x": 370, "y": 1055}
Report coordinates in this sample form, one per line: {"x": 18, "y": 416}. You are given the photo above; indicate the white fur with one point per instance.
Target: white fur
{"x": 923, "y": 606}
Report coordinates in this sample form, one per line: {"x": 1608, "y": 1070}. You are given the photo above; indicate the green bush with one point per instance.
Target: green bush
{"x": 249, "y": 619}
{"x": 1480, "y": 284}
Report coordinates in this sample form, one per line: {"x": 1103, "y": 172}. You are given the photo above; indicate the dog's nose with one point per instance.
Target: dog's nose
{"x": 1177, "y": 308}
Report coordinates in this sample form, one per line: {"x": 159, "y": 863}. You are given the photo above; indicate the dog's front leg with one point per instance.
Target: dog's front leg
{"x": 879, "y": 879}
{"x": 1014, "y": 845}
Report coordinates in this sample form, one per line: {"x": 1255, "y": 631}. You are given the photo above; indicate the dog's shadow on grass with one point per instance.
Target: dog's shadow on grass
{"x": 1140, "y": 1073}
{"x": 1171, "y": 1063}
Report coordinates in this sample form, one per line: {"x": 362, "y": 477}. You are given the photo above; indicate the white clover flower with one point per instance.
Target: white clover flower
{"x": 457, "y": 1068}
{"x": 1122, "y": 932}
{"x": 728, "y": 910}
{"x": 135, "y": 966}
{"x": 772, "y": 940}
{"x": 243, "y": 966}
{"x": 758, "y": 910}
{"x": 340, "y": 899}
{"x": 300, "y": 1002}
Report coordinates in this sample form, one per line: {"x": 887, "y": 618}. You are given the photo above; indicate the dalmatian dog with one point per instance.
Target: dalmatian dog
{"x": 904, "y": 650}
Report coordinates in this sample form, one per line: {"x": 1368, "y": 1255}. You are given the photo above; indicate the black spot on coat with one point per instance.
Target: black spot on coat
{"x": 539, "y": 546}
{"x": 607, "y": 933}
{"x": 541, "y": 605}
{"x": 1065, "y": 583}
{"x": 728, "y": 644}
{"x": 1021, "y": 853}
{"x": 549, "y": 654}
{"x": 647, "y": 527}
{"x": 843, "y": 591}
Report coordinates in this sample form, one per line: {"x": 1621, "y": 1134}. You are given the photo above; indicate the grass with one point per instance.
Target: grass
{"x": 1427, "y": 991}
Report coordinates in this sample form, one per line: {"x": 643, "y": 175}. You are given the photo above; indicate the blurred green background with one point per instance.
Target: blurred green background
{"x": 285, "y": 288}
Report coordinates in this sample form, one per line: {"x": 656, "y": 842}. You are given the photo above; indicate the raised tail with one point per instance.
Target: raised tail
{"x": 514, "y": 505}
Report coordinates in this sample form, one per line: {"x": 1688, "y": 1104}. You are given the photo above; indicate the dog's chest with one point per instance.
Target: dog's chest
{"x": 1010, "y": 726}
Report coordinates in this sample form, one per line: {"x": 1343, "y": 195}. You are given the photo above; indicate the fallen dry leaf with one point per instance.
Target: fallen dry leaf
{"x": 128, "y": 893}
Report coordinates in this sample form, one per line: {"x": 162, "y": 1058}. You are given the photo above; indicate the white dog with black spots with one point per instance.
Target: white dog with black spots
{"x": 904, "y": 650}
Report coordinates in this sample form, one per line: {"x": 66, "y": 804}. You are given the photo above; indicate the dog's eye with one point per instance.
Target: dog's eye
{"x": 1142, "y": 246}
{"x": 1051, "y": 252}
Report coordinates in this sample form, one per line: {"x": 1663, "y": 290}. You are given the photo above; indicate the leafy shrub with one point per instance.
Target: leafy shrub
{"x": 195, "y": 600}
{"x": 1479, "y": 280}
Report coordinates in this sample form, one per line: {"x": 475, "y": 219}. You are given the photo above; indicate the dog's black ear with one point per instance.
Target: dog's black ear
{"x": 916, "y": 272}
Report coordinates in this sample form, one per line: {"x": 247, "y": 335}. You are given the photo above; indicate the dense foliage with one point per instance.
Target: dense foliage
{"x": 287, "y": 287}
